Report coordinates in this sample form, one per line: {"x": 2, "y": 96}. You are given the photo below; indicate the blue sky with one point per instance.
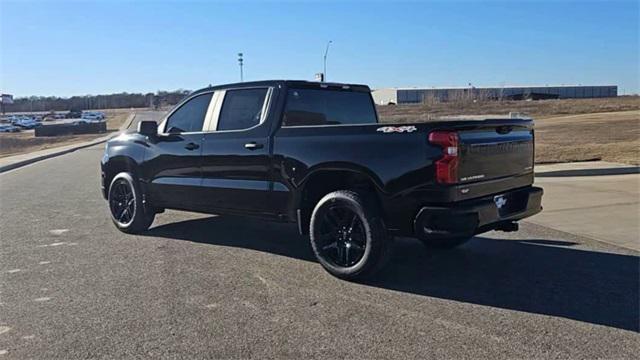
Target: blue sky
{"x": 92, "y": 47}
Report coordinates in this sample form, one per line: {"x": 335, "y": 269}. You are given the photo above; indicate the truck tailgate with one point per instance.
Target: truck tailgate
{"x": 492, "y": 151}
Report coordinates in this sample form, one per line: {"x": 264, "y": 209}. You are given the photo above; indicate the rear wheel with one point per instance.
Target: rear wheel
{"x": 125, "y": 204}
{"x": 348, "y": 235}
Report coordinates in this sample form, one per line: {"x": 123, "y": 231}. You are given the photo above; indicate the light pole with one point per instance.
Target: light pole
{"x": 326, "y": 51}
{"x": 240, "y": 61}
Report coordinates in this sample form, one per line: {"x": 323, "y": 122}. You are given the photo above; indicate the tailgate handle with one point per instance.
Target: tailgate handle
{"x": 504, "y": 129}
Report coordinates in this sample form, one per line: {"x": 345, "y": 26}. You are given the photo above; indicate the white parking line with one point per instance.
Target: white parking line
{"x": 58, "y": 232}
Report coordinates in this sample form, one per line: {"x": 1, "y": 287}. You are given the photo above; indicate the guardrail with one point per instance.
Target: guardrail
{"x": 71, "y": 129}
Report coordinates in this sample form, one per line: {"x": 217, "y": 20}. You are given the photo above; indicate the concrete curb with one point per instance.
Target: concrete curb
{"x": 585, "y": 168}
{"x": 54, "y": 152}
{"x": 128, "y": 122}
{"x": 32, "y": 160}
{"x": 590, "y": 172}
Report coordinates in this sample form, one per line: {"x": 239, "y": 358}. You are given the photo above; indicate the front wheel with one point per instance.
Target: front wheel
{"x": 348, "y": 235}
{"x": 125, "y": 204}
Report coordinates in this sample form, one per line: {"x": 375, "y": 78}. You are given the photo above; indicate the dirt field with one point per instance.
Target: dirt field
{"x": 566, "y": 130}
{"x": 611, "y": 136}
{"x": 25, "y": 141}
{"x": 536, "y": 109}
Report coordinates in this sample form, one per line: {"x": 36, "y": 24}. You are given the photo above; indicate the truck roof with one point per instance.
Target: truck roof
{"x": 288, "y": 83}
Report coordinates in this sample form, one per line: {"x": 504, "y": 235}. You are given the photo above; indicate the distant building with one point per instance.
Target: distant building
{"x": 443, "y": 94}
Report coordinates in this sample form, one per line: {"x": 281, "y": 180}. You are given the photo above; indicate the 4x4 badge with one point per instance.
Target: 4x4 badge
{"x": 397, "y": 129}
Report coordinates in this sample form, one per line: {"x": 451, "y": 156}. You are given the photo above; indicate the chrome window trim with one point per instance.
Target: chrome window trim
{"x": 213, "y": 125}
{"x": 265, "y": 109}
{"x": 163, "y": 124}
{"x": 212, "y": 114}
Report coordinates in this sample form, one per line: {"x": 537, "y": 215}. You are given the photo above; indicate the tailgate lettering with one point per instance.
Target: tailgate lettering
{"x": 474, "y": 177}
{"x": 500, "y": 148}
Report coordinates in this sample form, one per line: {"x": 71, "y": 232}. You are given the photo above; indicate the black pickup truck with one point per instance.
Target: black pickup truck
{"x": 315, "y": 154}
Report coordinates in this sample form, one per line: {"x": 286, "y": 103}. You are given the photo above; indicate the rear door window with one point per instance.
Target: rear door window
{"x": 328, "y": 107}
{"x": 190, "y": 116}
{"x": 242, "y": 109}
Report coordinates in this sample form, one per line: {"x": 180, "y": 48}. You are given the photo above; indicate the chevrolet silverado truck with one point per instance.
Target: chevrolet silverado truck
{"x": 316, "y": 154}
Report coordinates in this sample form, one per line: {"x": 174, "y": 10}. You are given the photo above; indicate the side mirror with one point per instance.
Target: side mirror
{"x": 175, "y": 130}
{"x": 148, "y": 128}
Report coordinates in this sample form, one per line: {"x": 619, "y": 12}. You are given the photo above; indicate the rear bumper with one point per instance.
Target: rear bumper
{"x": 467, "y": 218}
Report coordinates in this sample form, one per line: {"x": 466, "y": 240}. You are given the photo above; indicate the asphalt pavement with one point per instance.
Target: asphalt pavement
{"x": 200, "y": 286}
{"x": 600, "y": 200}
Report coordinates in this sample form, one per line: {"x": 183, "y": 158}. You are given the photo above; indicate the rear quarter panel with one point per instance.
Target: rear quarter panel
{"x": 400, "y": 164}
{"x": 395, "y": 162}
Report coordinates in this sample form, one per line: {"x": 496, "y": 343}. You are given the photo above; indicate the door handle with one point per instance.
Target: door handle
{"x": 253, "y": 146}
{"x": 191, "y": 146}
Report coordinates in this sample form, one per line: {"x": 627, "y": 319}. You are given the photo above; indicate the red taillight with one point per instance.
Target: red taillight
{"x": 447, "y": 165}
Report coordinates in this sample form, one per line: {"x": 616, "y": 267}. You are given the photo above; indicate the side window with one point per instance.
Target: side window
{"x": 307, "y": 107}
{"x": 190, "y": 116}
{"x": 242, "y": 109}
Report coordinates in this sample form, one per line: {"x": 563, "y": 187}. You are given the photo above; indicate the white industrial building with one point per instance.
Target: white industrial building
{"x": 419, "y": 95}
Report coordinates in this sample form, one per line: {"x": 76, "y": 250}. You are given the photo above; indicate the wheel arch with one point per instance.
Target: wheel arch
{"x": 118, "y": 164}
{"x": 320, "y": 182}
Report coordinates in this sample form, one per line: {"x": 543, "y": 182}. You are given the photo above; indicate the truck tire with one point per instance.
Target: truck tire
{"x": 445, "y": 243}
{"x": 348, "y": 235}
{"x": 125, "y": 205}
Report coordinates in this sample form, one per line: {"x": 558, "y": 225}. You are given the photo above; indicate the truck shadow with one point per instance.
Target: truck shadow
{"x": 542, "y": 276}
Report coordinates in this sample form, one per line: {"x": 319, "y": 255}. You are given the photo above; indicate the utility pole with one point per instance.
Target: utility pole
{"x": 326, "y": 51}
{"x": 240, "y": 62}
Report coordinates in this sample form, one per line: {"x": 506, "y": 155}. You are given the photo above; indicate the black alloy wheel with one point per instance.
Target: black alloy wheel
{"x": 342, "y": 237}
{"x": 122, "y": 202}
{"x": 348, "y": 235}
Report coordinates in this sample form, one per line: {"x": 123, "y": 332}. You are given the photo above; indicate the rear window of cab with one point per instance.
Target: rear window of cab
{"x": 317, "y": 107}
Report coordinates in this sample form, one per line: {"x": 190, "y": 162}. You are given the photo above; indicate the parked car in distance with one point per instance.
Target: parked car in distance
{"x": 315, "y": 154}
{"x": 12, "y": 118}
{"x": 73, "y": 114}
{"x": 7, "y": 128}
{"x": 93, "y": 115}
{"x": 26, "y": 123}
{"x": 87, "y": 121}
{"x": 52, "y": 115}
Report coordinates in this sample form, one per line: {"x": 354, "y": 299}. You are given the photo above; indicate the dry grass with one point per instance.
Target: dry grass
{"x": 536, "y": 109}
{"x": 566, "y": 130}
{"x": 26, "y": 142}
{"x": 115, "y": 118}
{"x": 611, "y": 136}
